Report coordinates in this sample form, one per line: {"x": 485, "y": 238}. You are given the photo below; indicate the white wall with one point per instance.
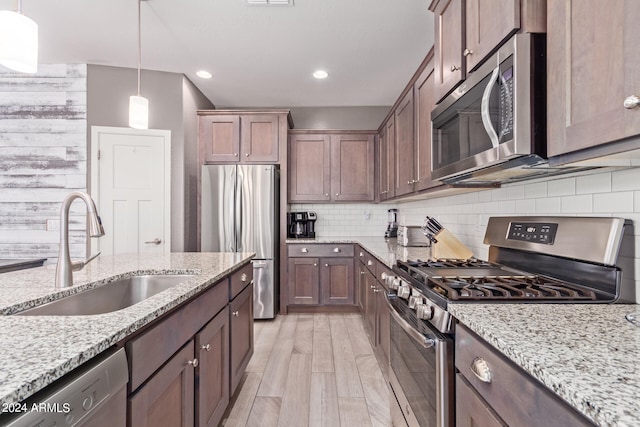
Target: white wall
{"x": 598, "y": 194}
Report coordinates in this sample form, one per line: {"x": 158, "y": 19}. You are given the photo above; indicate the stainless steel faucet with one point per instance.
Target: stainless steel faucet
{"x": 65, "y": 267}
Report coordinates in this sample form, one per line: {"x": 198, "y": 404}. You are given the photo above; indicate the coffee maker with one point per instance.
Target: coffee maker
{"x": 301, "y": 225}
{"x": 392, "y": 227}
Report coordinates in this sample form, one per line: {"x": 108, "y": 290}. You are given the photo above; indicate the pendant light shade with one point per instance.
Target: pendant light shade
{"x": 18, "y": 42}
{"x": 139, "y": 105}
{"x": 138, "y": 112}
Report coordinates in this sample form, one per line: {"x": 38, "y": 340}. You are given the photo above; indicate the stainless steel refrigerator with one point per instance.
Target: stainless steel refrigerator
{"x": 240, "y": 214}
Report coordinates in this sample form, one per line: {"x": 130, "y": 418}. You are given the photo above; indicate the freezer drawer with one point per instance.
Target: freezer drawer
{"x": 264, "y": 291}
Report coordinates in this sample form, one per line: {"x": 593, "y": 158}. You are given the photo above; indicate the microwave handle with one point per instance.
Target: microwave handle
{"x": 484, "y": 108}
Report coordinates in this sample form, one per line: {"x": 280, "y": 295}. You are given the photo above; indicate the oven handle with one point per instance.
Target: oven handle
{"x": 484, "y": 108}
{"x": 417, "y": 336}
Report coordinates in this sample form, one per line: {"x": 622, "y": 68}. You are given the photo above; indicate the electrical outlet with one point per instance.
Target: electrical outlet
{"x": 367, "y": 215}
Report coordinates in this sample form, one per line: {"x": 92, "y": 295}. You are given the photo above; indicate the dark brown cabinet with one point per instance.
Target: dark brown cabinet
{"x": 424, "y": 104}
{"x": 241, "y": 330}
{"x": 405, "y": 142}
{"x": 326, "y": 167}
{"x": 471, "y": 410}
{"x": 448, "y": 45}
{"x": 592, "y": 71}
{"x": 233, "y": 136}
{"x": 386, "y": 160}
{"x": 321, "y": 275}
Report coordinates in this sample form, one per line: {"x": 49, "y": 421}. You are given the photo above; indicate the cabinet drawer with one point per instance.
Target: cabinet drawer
{"x": 239, "y": 280}
{"x": 368, "y": 260}
{"x": 316, "y": 250}
{"x": 516, "y": 397}
{"x": 381, "y": 268}
{"x": 150, "y": 350}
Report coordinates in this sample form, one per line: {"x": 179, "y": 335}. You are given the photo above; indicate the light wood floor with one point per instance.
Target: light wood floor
{"x": 311, "y": 370}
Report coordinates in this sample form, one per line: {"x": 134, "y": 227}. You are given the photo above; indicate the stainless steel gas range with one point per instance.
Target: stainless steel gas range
{"x": 531, "y": 260}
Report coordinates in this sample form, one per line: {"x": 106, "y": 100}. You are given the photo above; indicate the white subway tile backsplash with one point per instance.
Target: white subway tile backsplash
{"x": 625, "y": 180}
{"x": 596, "y": 183}
{"x": 561, "y": 187}
{"x": 485, "y": 196}
{"x": 538, "y": 189}
{"x": 577, "y": 204}
{"x": 515, "y": 192}
{"x": 548, "y": 206}
{"x": 525, "y": 207}
{"x": 614, "y": 202}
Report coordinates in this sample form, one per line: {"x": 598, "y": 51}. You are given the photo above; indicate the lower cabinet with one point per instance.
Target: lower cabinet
{"x": 184, "y": 368}
{"x": 493, "y": 391}
{"x": 321, "y": 275}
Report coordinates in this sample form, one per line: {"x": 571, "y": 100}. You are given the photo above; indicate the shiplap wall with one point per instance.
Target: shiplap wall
{"x": 43, "y": 152}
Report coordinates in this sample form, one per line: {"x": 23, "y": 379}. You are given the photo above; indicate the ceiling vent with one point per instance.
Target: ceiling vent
{"x": 270, "y": 2}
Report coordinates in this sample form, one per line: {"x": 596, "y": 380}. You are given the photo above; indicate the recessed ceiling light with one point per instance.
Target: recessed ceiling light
{"x": 204, "y": 74}
{"x": 320, "y": 74}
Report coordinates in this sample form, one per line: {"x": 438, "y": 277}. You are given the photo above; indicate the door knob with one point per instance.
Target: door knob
{"x": 155, "y": 241}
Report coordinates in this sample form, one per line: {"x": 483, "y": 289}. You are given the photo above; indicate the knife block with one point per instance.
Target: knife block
{"x": 448, "y": 246}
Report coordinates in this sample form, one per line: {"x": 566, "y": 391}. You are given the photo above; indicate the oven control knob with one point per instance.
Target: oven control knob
{"x": 424, "y": 312}
{"x": 414, "y": 301}
{"x": 404, "y": 291}
{"x": 394, "y": 283}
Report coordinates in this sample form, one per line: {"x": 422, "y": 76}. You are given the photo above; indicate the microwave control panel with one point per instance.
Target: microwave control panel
{"x": 535, "y": 232}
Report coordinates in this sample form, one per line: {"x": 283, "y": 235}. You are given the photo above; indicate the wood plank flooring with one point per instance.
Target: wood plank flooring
{"x": 315, "y": 370}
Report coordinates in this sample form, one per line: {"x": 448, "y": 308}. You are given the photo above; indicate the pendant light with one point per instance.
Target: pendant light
{"x": 18, "y": 41}
{"x": 139, "y": 105}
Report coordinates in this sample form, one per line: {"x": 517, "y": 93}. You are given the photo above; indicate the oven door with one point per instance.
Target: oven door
{"x": 421, "y": 370}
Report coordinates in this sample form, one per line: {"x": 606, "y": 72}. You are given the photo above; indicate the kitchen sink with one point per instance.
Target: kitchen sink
{"x": 116, "y": 295}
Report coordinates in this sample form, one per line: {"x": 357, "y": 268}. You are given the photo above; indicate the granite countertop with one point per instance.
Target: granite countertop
{"x": 37, "y": 350}
{"x": 586, "y": 353}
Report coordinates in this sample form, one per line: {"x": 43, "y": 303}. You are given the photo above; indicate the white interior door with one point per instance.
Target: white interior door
{"x": 130, "y": 182}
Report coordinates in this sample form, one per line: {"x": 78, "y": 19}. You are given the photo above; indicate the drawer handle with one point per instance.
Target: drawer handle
{"x": 369, "y": 262}
{"x": 243, "y": 277}
{"x": 206, "y": 347}
{"x": 337, "y": 250}
{"x": 480, "y": 369}
{"x": 383, "y": 275}
{"x": 361, "y": 253}
{"x": 304, "y": 250}
{"x": 236, "y": 313}
{"x": 193, "y": 363}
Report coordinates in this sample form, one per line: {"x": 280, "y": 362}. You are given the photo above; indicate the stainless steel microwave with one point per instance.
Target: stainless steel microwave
{"x": 492, "y": 128}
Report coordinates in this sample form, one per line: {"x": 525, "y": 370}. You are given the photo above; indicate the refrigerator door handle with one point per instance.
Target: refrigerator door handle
{"x": 238, "y": 211}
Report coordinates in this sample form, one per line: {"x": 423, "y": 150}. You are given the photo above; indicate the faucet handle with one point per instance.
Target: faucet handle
{"x": 79, "y": 265}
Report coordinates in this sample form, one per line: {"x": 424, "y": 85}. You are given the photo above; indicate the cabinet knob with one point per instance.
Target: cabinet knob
{"x": 235, "y": 313}
{"x": 467, "y": 52}
{"x": 373, "y": 286}
{"x": 326, "y": 194}
{"x": 315, "y": 264}
{"x": 235, "y": 154}
{"x": 304, "y": 250}
{"x": 362, "y": 272}
{"x": 361, "y": 253}
{"x": 369, "y": 263}
{"x": 337, "y": 194}
{"x": 246, "y": 154}
{"x": 480, "y": 368}
{"x": 337, "y": 250}
{"x": 206, "y": 347}
{"x": 193, "y": 363}
{"x": 408, "y": 182}
{"x": 326, "y": 265}
{"x": 631, "y": 102}
{"x": 454, "y": 68}
{"x": 243, "y": 277}
{"x": 383, "y": 275}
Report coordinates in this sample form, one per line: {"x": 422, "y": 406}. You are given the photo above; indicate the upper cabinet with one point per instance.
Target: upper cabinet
{"x": 331, "y": 167}
{"x": 593, "y": 78}
{"x": 386, "y": 160}
{"x": 468, "y": 31}
{"x": 405, "y": 141}
{"x": 424, "y": 100}
{"x": 238, "y": 136}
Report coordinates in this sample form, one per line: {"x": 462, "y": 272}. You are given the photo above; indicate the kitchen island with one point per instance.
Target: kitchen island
{"x": 37, "y": 350}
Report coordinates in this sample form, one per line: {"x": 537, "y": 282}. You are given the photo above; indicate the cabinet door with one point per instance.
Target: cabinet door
{"x": 259, "y": 138}
{"x": 241, "y": 329}
{"x": 593, "y": 65}
{"x": 471, "y": 410}
{"x": 336, "y": 281}
{"x": 370, "y": 307}
{"x": 362, "y": 287}
{"x": 304, "y": 281}
{"x": 220, "y": 138}
{"x": 167, "y": 398}
{"x": 391, "y": 157}
{"x": 488, "y": 22}
{"x": 310, "y": 168}
{"x": 449, "y": 36}
{"x": 352, "y": 167}
{"x": 383, "y": 169}
{"x": 424, "y": 104}
{"x": 383, "y": 332}
{"x": 405, "y": 141}
{"x": 212, "y": 374}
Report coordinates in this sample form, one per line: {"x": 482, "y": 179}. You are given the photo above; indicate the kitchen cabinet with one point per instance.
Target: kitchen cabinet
{"x": 502, "y": 392}
{"x": 592, "y": 71}
{"x": 448, "y": 45}
{"x": 183, "y": 367}
{"x": 233, "y": 136}
{"x": 331, "y": 167}
{"x": 241, "y": 333}
{"x": 405, "y": 142}
{"x": 386, "y": 160}
{"x": 321, "y": 275}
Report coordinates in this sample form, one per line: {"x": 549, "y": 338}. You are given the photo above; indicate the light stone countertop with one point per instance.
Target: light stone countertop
{"x": 588, "y": 354}
{"x": 37, "y": 350}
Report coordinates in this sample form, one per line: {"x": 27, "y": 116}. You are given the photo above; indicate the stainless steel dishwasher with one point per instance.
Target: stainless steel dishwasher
{"x": 95, "y": 394}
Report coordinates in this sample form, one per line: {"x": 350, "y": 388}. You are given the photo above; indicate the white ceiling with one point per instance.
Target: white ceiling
{"x": 259, "y": 56}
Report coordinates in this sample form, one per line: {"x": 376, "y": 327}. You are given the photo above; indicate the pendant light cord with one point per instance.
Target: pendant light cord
{"x": 139, "y": 47}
